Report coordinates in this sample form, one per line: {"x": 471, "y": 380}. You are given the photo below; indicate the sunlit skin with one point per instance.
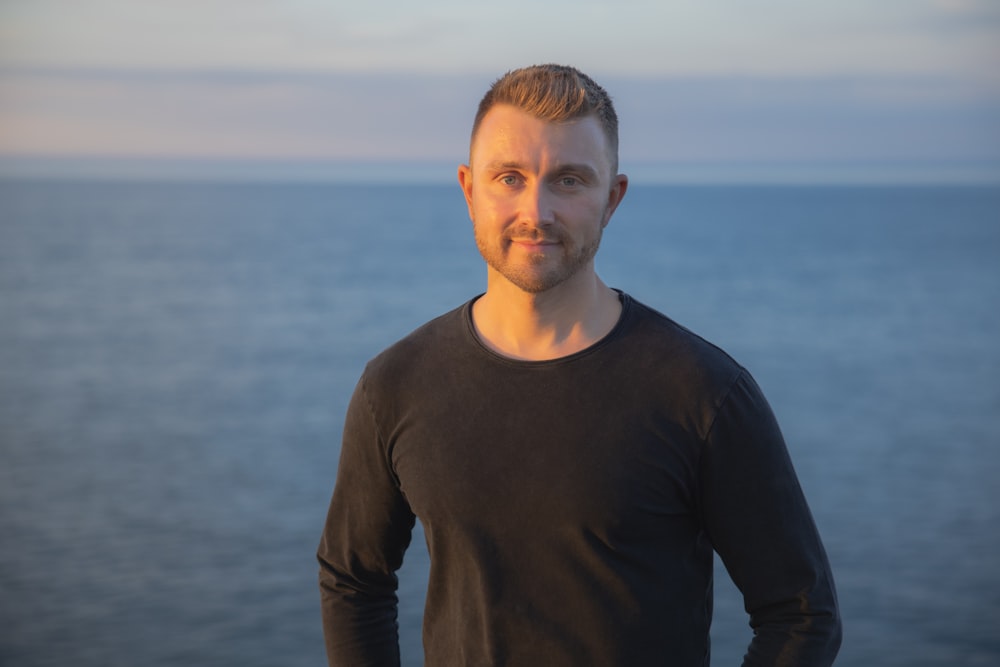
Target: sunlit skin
{"x": 540, "y": 195}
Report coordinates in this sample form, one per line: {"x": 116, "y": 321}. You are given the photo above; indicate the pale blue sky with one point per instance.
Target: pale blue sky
{"x": 899, "y": 82}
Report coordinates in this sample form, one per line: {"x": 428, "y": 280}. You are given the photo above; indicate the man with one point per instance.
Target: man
{"x": 574, "y": 456}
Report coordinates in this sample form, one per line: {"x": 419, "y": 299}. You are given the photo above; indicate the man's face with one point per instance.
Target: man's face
{"x": 539, "y": 195}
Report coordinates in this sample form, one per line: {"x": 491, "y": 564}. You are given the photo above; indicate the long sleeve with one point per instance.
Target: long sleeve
{"x": 761, "y": 527}
{"x": 367, "y": 530}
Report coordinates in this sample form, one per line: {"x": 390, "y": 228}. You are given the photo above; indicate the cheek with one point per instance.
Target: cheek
{"x": 485, "y": 211}
{"x": 594, "y": 211}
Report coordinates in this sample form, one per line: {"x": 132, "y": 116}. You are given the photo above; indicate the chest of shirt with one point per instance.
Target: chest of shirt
{"x": 548, "y": 456}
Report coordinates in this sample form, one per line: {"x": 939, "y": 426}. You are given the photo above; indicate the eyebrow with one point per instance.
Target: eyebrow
{"x": 497, "y": 165}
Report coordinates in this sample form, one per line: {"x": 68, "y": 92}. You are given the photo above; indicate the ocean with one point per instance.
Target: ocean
{"x": 176, "y": 358}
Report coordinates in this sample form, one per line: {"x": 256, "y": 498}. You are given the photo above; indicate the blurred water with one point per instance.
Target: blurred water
{"x": 175, "y": 361}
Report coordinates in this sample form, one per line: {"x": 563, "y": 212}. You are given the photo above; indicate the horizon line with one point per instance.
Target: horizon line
{"x": 440, "y": 172}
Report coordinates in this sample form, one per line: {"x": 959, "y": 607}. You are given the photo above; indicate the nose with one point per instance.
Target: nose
{"x": 536, "y": 205}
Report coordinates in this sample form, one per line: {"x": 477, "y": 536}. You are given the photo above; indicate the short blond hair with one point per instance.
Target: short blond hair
{"x": 555, "y": 93}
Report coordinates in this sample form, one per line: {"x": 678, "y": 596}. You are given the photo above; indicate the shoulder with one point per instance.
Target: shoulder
{"x": 659, "y": 341}
{"x": 430, "y": 345}
{"x": 699, "y": 379}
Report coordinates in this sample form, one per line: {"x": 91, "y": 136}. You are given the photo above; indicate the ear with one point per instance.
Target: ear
{"x": 465, "y": 181}
{"x": 619, "y": 185}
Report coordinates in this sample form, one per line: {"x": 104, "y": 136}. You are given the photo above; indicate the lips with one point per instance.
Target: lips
{"x": 531, "y": 237}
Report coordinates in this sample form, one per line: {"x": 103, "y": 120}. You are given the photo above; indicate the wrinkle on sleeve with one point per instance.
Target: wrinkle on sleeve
{"x": 367, "y": 531}
{"x": 760, "y": 524}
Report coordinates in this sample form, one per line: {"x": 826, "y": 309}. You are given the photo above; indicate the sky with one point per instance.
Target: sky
{"x": 906, "y": 88}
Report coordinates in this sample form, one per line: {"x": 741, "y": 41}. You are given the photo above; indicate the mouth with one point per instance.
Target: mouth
{"x": 534, "y": 241}
{"x": 533, "y": 237}
{"x": 537, "y": 245}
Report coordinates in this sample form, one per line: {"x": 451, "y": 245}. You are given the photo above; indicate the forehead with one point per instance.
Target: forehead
{"x": 508, "y": 133}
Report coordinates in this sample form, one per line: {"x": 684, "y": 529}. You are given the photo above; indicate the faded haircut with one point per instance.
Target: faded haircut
{"x": 554, "y": 93}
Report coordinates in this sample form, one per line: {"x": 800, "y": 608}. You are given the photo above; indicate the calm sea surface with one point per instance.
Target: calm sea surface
{"x": 175, "y": 361}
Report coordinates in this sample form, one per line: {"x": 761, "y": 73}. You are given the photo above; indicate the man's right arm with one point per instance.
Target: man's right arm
{"x": 368, "y": 528}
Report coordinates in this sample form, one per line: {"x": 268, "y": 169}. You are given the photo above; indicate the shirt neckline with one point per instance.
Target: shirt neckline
{"x": 470, "y": 331}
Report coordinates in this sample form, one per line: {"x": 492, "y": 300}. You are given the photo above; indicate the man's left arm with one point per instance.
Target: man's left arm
{"x": 760, "y": 525}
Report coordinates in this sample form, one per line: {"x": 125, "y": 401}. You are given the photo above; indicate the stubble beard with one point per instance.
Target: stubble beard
{"x": 531, "y": 274}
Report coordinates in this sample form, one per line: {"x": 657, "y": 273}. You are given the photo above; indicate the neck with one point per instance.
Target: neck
{"x": 558, "y": 322}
